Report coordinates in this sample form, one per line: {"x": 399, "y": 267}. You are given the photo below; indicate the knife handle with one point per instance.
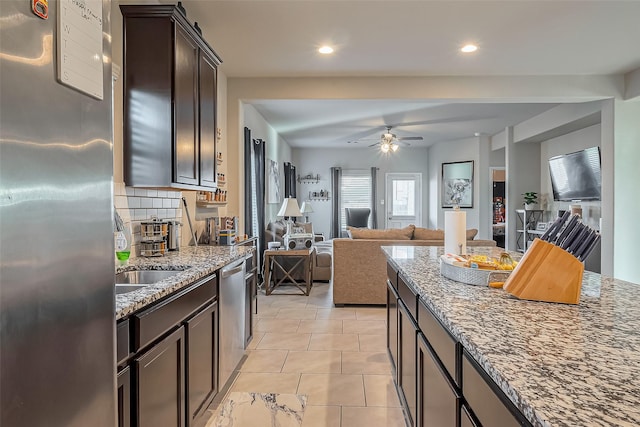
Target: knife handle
{"x": 557, "y": 226}
{"x": 590, "y": 247}
{"x": 567, "y": 229}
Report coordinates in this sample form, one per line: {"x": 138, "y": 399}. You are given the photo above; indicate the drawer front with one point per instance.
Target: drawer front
{"x": 408, "y": 297}
{"x": 392, "y": 274}
{"x": 438, "y": 337}
{"x": 160, "y": 318}
{"x": 123, "y": 348}
{"x": 483, "y": 400}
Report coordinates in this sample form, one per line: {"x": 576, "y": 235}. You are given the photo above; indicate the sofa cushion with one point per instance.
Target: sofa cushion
{"x": 471, "y": 233}
{"x": 390, "y": 234}
{"x": 421, "y": 233}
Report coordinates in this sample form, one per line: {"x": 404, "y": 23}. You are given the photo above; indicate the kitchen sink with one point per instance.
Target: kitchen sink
{"x": 147, "y": 277}
{"x": 123, "y": 289}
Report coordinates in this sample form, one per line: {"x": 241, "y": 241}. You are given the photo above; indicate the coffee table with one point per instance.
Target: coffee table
{"x": 273, "y": 262}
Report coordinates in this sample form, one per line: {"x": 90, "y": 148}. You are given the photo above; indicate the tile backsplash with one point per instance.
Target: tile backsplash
{"x": 137, "y": 205}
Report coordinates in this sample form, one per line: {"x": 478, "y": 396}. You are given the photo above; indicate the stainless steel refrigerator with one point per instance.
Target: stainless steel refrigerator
{"x": 57, "y": 363}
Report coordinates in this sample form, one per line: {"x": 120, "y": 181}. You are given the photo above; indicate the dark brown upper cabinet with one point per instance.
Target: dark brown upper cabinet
{"x": 170, "y": 91}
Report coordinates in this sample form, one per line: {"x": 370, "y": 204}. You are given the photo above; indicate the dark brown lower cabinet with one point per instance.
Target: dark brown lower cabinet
{"x": 160, "y": 383}
{"x": 407, "y": 374}
{"x": 437, "y": 398}
{"x": 392, "y": 325}
{"x": 124, "y": 397}
{"x": 202, "y": 360}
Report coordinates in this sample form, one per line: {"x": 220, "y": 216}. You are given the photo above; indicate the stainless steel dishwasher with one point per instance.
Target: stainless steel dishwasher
{"x": 232, "y": 307}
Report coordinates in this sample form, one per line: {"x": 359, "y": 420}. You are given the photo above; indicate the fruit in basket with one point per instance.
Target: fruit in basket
{"x": 506, "y": 262}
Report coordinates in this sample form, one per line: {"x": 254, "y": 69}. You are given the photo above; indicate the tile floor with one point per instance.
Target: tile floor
{"x": 335, "y": 356}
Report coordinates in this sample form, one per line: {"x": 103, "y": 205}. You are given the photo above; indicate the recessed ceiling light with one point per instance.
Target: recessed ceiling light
{"x": 468, "y": 48}
{"x": 326, "y": 50}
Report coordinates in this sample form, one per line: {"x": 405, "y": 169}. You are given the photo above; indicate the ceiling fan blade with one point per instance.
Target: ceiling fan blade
{"x": 373, "y": 145}
{"x": 410, "y": 138}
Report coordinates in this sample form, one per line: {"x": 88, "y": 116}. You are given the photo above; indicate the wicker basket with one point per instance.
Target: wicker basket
{"x": 472, "y": 276}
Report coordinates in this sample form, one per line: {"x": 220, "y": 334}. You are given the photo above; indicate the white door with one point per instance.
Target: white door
{"x": 403, "y": 199}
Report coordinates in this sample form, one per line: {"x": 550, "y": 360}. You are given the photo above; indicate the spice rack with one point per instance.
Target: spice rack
{"x": 213, "y": 198}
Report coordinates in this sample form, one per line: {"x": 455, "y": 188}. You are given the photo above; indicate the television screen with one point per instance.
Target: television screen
{"x": 576, "y": 176}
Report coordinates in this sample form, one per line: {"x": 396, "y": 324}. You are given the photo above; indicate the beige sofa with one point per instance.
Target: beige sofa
{"x": 360, "y": 266}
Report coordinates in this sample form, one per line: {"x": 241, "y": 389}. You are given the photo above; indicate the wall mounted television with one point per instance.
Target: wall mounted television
{"x": 576, "y": 176}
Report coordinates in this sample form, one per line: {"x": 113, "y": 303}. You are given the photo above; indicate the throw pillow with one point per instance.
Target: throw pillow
{"x": 471, "y": 233}
{"x": 278, "y": 228}
{"x": 421, "y": 233}
{"x": 305, "y": 227}
{"x": 390, "y": 234}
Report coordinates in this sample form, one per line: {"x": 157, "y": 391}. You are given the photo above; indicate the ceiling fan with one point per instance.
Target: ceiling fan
{"x": 391, "y": 142}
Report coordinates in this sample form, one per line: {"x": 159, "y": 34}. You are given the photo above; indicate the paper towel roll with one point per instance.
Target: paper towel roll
{"x": 455, "y": 232}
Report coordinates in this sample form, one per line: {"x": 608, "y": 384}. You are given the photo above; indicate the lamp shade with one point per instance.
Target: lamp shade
{"x": 289, "y": 208}
{"x": 306, "y": 208}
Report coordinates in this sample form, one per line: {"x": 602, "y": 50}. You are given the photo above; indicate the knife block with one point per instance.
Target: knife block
{"x": 547, "y": 273}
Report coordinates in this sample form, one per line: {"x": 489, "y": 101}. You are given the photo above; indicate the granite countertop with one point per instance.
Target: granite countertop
{"x": 196, "y": 262}
{"x": 561, "y": 365}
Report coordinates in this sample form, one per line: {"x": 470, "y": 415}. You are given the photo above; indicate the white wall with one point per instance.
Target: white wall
{"x": 319, "y": 161}
{"x": 627, "y": 190}
{"x": 276, "y": 149}
{"x": 569, "y": 143}
{"x": 454, "y": 151}
{"x": 498, "y": 158}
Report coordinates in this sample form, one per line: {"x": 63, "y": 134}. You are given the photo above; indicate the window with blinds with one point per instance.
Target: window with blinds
{"x": 355, "y": 191}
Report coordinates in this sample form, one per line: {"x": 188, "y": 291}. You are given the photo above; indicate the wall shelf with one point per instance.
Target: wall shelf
{"x": 309, "y": 179}
{"x": 526, "y": 221}
{"x": 316, "y": 195}
{"x": 212, "y": 204}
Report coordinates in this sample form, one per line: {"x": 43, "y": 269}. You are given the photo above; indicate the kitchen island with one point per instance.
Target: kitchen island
{"x": 196, "y": 263}
{"x": 558, "y": 365}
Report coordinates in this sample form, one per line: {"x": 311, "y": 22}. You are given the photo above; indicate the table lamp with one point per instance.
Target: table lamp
{"x": 306, "y": 209}
{"x": 289, "y": 209}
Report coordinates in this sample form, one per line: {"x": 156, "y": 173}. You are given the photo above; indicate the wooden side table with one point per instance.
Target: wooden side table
{"x": 271, "y": 264}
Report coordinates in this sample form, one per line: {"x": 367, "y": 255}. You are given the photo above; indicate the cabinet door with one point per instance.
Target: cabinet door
{"x": 407, "y": 334}
{"x": 207, "y": 102}
{"x": 124, "y": 397}
{"x": 202, "y": 360}
{"x": 466, "y": 419}
{"x": 185, "y": 98}
{"x": 160, "y": 383}
{"x": 437, "y": 402}
{"x": 392, "y": 326}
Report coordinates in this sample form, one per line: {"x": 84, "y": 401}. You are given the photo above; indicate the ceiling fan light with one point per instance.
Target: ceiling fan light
{"x": 385, "y": 147}
{"x": 395, "y": 147}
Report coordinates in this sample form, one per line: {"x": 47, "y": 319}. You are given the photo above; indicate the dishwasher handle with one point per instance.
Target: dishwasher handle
{"x": 232, "y": 269}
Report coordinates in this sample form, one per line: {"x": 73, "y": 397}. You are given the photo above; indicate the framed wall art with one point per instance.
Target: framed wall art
{"x": 457, "y": 184}
{"x": 273, "y": 182}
